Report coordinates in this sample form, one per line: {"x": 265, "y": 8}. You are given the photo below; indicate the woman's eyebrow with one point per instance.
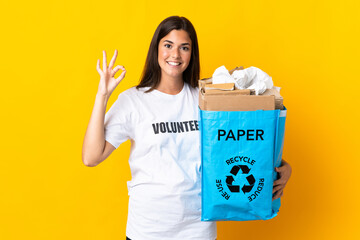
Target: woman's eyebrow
{"x": 180, "y": 44}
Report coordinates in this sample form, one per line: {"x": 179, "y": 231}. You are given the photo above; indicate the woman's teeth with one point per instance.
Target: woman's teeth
{"x": 173, "y": 63}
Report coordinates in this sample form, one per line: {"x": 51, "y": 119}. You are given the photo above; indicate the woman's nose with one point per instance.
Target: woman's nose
{"x": 175, "y": 53}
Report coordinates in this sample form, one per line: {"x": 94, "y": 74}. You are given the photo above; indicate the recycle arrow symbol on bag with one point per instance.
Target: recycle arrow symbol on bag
{"x": 230, "y": 179}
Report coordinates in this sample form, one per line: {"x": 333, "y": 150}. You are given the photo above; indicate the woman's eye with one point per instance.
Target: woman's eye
{"x": 186, "y": 48}
{"x": 166, "y": 45}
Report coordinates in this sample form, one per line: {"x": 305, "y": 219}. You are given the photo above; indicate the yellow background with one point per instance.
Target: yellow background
{"x": 49, "y": 80}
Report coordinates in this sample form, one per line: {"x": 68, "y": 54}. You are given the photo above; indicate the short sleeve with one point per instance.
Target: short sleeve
{"x": 118, "y": 121}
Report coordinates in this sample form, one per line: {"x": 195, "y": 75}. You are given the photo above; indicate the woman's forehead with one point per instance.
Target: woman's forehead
{"x": 180, "y": 37}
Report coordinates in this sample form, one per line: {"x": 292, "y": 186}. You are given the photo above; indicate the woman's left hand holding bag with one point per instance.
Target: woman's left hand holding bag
{"x": 284, "y": 175}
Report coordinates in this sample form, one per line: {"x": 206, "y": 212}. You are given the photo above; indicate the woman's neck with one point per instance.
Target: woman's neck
{"x": 171, "y": 87}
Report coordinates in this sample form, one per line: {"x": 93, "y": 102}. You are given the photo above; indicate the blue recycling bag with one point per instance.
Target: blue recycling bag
{"x": 239, "y": 153}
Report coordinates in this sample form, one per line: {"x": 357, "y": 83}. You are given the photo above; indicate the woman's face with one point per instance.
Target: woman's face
{"x": 174, "y": 53}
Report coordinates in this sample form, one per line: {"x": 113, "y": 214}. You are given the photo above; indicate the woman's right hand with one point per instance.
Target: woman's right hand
{"x": 107, "y": 81}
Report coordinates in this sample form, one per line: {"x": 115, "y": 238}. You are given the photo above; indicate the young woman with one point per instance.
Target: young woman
{"x": 159, "y": 116}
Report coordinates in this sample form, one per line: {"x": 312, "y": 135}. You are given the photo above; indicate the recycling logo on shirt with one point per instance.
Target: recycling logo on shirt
{"x": 240, "y": 179}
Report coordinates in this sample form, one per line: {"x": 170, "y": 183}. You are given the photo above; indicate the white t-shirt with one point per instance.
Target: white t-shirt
{"x": 165, "y": 189}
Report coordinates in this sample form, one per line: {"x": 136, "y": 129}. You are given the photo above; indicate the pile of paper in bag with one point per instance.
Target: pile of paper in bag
{"x": 239, "y": 90}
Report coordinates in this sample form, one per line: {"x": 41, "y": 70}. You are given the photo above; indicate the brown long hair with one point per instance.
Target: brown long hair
{"x": 151, "y": 74}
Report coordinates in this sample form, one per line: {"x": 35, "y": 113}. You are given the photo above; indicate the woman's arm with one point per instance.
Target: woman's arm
{"x": 284, "y": 172}
{"x": 95, "y": 148}
{"x": 94, "y": 141}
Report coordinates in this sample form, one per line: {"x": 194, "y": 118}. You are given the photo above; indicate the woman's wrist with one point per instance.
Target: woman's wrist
{"x": 102, "y": 98}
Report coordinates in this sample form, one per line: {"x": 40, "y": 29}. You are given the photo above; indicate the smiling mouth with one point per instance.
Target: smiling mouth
{"x": 174, "y": 63}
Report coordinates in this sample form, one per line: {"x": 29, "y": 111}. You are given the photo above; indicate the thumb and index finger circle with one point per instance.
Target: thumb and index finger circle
{"x": 117, "y": 68}
{"x": 122, "y": 75}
